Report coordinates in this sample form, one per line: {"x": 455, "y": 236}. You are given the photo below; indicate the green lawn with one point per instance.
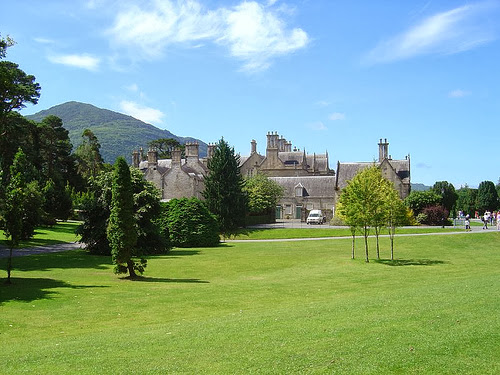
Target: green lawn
{"x": 62, "y": 232}
{"x": 262, "y": 308}
{"x": 325, "y": 231}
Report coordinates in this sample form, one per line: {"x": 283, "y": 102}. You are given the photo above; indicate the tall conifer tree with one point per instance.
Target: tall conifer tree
{"x": 224, "y": 188}
{"x": 121, "y": 232}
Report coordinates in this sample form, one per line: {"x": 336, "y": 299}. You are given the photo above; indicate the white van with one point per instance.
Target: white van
{"x": 315, "y": 217}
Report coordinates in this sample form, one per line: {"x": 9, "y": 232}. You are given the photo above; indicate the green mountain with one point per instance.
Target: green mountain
{"x": 118, "y": 134}
{"x": 419, "y": 187}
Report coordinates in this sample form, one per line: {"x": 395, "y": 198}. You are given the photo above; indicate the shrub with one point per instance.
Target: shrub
{"x": 436, "y": 215}
{"x": 95, "y": 211}
{"x": 189, "y": 223}
{"x": 336, "y": 221}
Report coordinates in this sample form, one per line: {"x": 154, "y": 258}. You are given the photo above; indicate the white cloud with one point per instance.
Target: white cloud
{"x": 458, "y": 93}
{"x": 146, "y": 114}
{"x": 337, "y": 116}
{"x": 44, "y": 41}
{"x": 449, "y": 32}
{"x": 317, "y": 126}
{"x": 83, "y": 61}
{"x": 253, "y": 33}
{"x": 133, "y": 87}
{"x": 322, "y": 103}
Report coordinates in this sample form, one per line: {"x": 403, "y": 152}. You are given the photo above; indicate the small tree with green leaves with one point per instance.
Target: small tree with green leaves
{"x": 121, "y": 231}
{"x": 396, "y": 212}
{"x": 362, "y": 200}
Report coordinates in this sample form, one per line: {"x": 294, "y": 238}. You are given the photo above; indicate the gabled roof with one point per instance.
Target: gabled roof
{"x": 314, "y": 186}
{"x": 347, "y": 171}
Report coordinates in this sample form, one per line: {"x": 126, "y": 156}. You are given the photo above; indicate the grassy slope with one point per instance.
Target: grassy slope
{"x": 270, "y": 308}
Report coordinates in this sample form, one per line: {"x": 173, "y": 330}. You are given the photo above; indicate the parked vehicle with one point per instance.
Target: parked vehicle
{"x": 315, "y": 217}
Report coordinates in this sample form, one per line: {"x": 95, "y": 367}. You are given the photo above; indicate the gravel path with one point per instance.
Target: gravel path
{"x": 4, "y": 251}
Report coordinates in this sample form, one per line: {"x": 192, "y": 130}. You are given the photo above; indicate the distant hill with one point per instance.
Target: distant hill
{"x": 420, "y": 187}
{"x": 118, "y": 134}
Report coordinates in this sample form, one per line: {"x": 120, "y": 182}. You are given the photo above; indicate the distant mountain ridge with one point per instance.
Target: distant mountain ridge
{"x": 118, "y": 134}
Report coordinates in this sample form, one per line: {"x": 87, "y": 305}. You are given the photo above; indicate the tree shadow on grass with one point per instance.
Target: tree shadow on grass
{"x": 62, "y": 260}
{"x": 409, "y": 262}
{"x": 165, "y": 280}
{"x": 31, "y": 289}
{"x": 178, "y": 252}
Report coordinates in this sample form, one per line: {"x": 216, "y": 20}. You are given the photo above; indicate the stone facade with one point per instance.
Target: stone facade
{"x": 175, "y": 177}
{"x": 281, "y": 160}
{"x": 397, "y": 171}
{"x": 307, "y": 179}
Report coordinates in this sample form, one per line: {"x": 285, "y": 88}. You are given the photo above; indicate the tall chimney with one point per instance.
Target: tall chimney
{"x": 152, "y": 157}
{"x": 254, "y": 147}
{"x": 383, "y": 150}
{"x": 176, "y": 157}
{"x": 192, "y": 153}
{"x": 135, "y": 159}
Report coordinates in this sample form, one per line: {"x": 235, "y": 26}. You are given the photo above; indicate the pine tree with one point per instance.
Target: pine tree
{"x": 14, "y": 206}
{"x": 121, "y": 231}
{"x": 224, "y": 189}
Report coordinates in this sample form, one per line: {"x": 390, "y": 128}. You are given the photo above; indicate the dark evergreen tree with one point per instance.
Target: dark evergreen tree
{"x": 224, "y": 188}
{"x": 466, "y": 201}
{"x": 121, "y": 230}
{"x": 95, "y": 212}
{"x": 487, "y": 197}
{"x": 447, "y": 193}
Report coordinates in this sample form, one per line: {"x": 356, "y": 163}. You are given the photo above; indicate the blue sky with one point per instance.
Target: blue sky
{"x": 327, "y": 75}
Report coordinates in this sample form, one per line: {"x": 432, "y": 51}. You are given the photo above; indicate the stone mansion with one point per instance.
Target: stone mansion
{"x": 307, "y": 179}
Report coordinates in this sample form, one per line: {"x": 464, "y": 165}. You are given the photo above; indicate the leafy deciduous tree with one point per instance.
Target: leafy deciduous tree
{"x": 189, "y": 223}
{"x": 263, "y": 194}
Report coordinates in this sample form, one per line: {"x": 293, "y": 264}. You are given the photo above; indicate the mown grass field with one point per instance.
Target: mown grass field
{"x": 263, "y": 308}
{"x": 62, "y": 232}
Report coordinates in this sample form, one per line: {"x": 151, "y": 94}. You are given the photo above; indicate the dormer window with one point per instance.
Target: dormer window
{"x": 299, "y": 190}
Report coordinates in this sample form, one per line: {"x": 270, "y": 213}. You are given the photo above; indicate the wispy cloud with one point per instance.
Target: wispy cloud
{"x": 322, "y": 103}
{"x": 458, "y": 93}
{"x": 253, "y": 33}
{"x": 337, "y": 116}
{"x": 143, "y": 113}
{"x": 83, "y": 61}
{"x": 317, "y": 126}
{"x": 44, "y": 41}
{"x": 449, "y": 32}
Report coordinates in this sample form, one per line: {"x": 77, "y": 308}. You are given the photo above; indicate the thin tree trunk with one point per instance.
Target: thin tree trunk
{"x": 366, "y": 246}
{"x": 392, "y": 231}
{"x": 377, "y": 232}
{"x": 353, "y": 239}
{"x": 9, "y": 265}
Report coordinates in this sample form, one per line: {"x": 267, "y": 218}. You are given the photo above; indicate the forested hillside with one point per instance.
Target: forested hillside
{"x": 118, "y": 134}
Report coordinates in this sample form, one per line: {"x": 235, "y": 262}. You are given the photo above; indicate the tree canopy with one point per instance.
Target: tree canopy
{"x": 487, "y": 197}
{"x": 224, "y": 188}
{"x": 263, "y": 194}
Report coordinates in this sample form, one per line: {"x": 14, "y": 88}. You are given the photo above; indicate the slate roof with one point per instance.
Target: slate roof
{"x": 346, "y": 171}
{"x": 314, "y": 186}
